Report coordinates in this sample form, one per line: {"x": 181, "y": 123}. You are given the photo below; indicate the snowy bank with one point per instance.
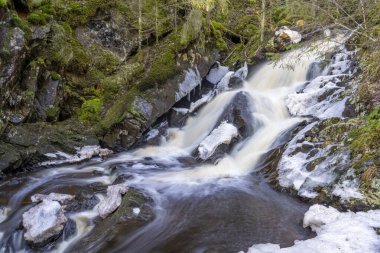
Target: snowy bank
{"x": 336, "y": 233}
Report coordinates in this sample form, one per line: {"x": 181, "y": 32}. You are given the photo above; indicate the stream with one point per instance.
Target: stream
{"x": 225, "y": 206}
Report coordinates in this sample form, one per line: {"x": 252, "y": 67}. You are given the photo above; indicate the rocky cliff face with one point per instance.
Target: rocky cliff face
{"x": 72, "y": 75}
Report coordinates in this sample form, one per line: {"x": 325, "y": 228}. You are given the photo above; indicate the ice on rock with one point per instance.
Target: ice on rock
{"x": 322, "y": 97}
{"x": 217, "y": 73}
{"x": 223, "y": 84}
{"x": 152, "y": 134}
{"x": 43, "y": 221}
{"x": 242, "y": 73}
{"x": 348, "y": 187}
{"x": 4, "y": 211}
{"x": 113, "y": 199}
{"x": 83, "y": 154}
{"x": 327, "y": 165}
{"x": 205, "y": 99}
{"x": 336, "y": 233}
{"x": 61, "y": 198}
{"x": 192, "y": 80}
{"x": 224, "y": 134}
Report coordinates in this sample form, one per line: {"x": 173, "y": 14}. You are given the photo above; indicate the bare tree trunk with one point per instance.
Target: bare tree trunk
{"x": 175, "y": 16}
{"x": 363, "y": 13}
{"x": 263, "y": 18}
{"x": 140, "y": 24}
{"x": 313, "y": 8}
{"x": 156, "y": 21}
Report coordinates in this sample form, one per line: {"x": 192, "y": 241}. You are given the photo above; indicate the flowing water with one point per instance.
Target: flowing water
{"x": 222, "y": 207}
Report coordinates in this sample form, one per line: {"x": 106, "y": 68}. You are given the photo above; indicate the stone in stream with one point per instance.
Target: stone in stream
{"x": 224, "y": 134}
{"x": 43, "y": 221}
{"x": 112, "y": 200}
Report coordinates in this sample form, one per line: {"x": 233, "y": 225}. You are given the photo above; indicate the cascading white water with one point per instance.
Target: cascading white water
{"x": 268, "y": 89}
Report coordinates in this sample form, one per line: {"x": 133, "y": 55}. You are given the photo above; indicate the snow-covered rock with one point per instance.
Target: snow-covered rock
{"x": 43, "y": 221}
{"x": 83, "y": 154}
{"x": 216, "y": 73}
{"x": 294, "y": 36}
{"x": 113, "y": 199}
{"x": 336, "y": 233}
{"x": 61, "y": 198}
{"x": 224, "y": 134}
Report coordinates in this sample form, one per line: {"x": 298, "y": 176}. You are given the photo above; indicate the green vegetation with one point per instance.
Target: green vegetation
{"x": 3, "y": 3}
{"x": 90, "y": 110}
{"x": 366, "y": 139}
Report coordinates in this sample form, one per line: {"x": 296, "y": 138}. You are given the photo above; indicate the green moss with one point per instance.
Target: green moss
{"x": 367, "y": 137}
{"x": 55, "y": 76}
{"x": 118, "y": 110}
{"x": 22, "y": 24}
{"x": 52, "y": 113}
{"x": 3, "y": 3}
{"x": 5, "y": 53}
{"x": 162, "y": 69}
{"x": 104, "y": 60}
{"x": 90, "y": 110}
{"x": 38, "y": 17}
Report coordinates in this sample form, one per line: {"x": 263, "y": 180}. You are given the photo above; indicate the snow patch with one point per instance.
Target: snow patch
{"x": 221, "y": 135}
{"x": 295, "y": 37}
{"x": 336, "y": 233}
{"x": 136, "y": 211}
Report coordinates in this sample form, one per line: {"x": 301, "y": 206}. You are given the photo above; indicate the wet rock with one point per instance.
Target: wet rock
{"x": 43, "y": 221}
{"x": 123, "y": 221}
{"x": 14, "y": 44}
{"x": 48, "y": 98}
{"x": 85, "y": 200}
{"x": 25, "y": 145}
{"x": 113, "y": 199}
{"x": 108, "y": 30}
{"x": 240, "y": 115}
{"x": 314, "y": 71}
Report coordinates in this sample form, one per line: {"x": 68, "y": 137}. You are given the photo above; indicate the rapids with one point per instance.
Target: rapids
{"x": 198, "y": 207}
